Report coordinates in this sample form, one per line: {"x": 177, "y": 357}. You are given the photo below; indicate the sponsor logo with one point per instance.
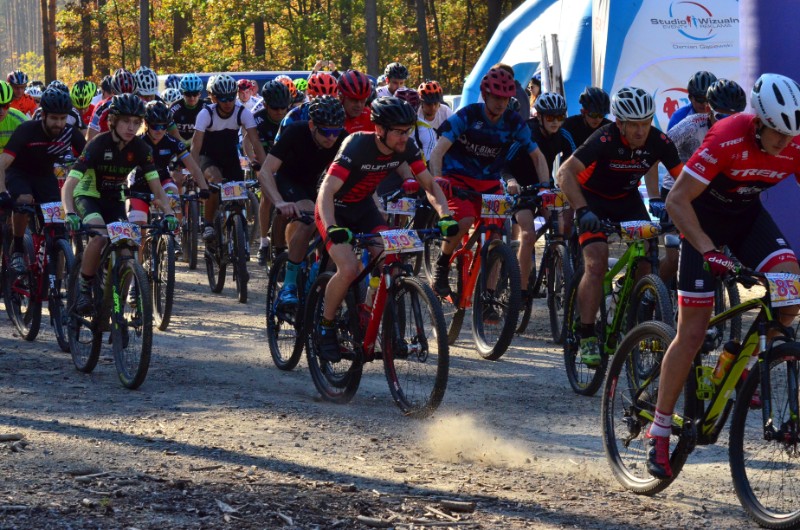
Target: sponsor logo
{"x": 379, "y": 167}
{"x": 670, "y": 99}
{"x": 705, "y": 155}
{"x": 745, "y": 154}
{"x": 748, "y": 190}
{"x": 699, "y": 167}
{"x": 108, "y": 155}
{"x": 698, "y": 284}
{"x": 130, "y": 157}
{"x": 693, "y": 21}
{"x": 732, "y": 142}
{"x": 766, "y": 173}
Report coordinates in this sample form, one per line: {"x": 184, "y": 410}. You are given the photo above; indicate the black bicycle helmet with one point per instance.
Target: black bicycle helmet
{"x": 595, "y": 99}
{"x": 699, "y": 83}
{"x": 173, "y": 81}
{"x": 223, "y": 85}
{"x": 157, "y": 112}
{"x": 276, "y": 94}
{"x": 126, "y": 105}
{"x": 105, "y": 84}
{"x": 513, "y": 104}
{"x": 395, "y": 71}
{"x": 326, "y": 110}
{"x": 59, "y": 85}
{"x": 55, "y": 101}
{"x": 389, "y": 111}
{"x": 726, "y": 96}
{"x": 550, "y": 103}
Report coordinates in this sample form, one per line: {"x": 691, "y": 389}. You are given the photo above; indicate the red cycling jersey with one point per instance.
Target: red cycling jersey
{"x": 359, "y": 123}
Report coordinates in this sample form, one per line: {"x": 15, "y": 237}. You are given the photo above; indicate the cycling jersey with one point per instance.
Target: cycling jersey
{"x": 25, "y": 104}
{"x": 679, "y": 115}
{"x": 99, "y": 120}
{"x": 302, "y": 160}
{"x": 221, "y": 135}
{"x": 267, "y": 129}
{"x": 296, "y": 114}
{"x": 735, "y": 169}
{"x": 34, "y": 152}
{"x": 441, "y": 116}
{"x": 74, "y": 118}
{"x": 521, "y": 165}
{"x": 480, "y": 147}
{"x": 687, "y": 137}
{"x": 579, "y": 129}
{"x": 86, "y": 115}
{"x": 102, "y": 167}
{"x": 9, "y": 124}
{"x": 613, "y": 169}
{"x": 165, "y": 151}
{"x": 185, "y": 117}
{"x": 361, "y": 166}
{"x": 359, "y": 123}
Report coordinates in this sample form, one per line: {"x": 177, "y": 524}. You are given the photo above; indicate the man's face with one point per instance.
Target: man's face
{"x": 699, "y": 103}
{"x": 774, "y": 142}
{"x": 495, "y": 105}
{"x": 191, "y": 98}
{"x": 353, "y": 107}
{"x": 226, "y": 103}
{"x": 54, "y": 124}
{"x": 19, "y": 90}
{"x": 635, "y": 131}
{"x": 394, "y": 84}
{"x": 276, "y": 114}
{"x": 551, "y": 123}
{"x": 4, "y": 111}
{"x": 592, "y": 119}
{"x": 429, "y": 110}
{"x": 127, "y": 127}
{"x": 244, "y": 95}
{"x": 325, "y": 135}
{"x": 395, "y": 138}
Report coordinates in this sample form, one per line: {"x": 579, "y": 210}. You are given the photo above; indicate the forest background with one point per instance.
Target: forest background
{"x": 70, "y": 40}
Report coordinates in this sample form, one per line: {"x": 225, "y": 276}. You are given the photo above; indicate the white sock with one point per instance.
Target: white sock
{"x": 265, "y": 241}
{"x": 662, "y": 424}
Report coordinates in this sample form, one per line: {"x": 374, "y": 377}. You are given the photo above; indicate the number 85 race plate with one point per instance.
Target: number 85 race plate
{"x": 784, "y": 288}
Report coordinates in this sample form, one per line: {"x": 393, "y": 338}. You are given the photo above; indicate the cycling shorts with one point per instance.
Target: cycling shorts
{"x": 43, "y": 189}
{"x": 755, "y": 240}
{"x": 359, "y": 217}
{"x": 100, "y": 211}
{"x": 628, "y": 208}
{"x": 292, "y": 192}
{"x": 139, "y": 210}
{"x": 231, "y": 169}
{"x": 471, "y": 206}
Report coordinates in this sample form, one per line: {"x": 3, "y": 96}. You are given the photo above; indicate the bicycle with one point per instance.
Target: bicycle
{"x": 48, "y": 262}
{"x": 413, "y": 344}
{"x": 763, "y": 441}
{"x": 475, "y": 266}
{"x": 230, "y": 244}
{"x": 626, "y": 301}
{"x": 122, "y": 305}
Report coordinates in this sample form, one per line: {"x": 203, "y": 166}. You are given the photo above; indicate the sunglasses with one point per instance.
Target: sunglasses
{"x": 226, "y": 99}
{"x": 157, "y": 126}
{"x": 191, "y": 94}
{"x": 550, "y": 118}
{"x": 595, "y": 115}
{"x": 277, "y": 108}
{"x": 330, "y": 131}
{"x": 402, "y": 132}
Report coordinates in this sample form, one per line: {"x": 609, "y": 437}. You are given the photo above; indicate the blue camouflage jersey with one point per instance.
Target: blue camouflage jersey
{"x": 480, "y": 147}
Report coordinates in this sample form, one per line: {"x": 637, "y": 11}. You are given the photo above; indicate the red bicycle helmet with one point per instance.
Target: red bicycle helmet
{"x": 322, "y": 84}
{"x": 499, "y": 83}
{"x": 353, "y": 84}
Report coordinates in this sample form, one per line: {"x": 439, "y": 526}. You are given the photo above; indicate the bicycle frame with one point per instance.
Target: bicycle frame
{"x": 472, "y": 259}
{"x": 43, "y": 237}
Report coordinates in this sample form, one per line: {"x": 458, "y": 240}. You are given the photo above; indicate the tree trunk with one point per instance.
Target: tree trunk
{"x": 86, "y": 39}
{"x": 259, "y": 38}
{"x": 180, "y": 30}
{"x": 144, "y": 33}
{"x": 495, "y": 8}
{"x": 371, "y": 19}
{"x": 439, "y": 54}
{"x": 51, "y": 19}
{"x": 346, "y": 31}
{"x": 49, "y": 67}
{"x": 243, "y": 42}
{"x": 467, "y": 26}
{"x": 121, "y": 35}
{"x": 422, "y": 34}
{"x": 104, "y": 60}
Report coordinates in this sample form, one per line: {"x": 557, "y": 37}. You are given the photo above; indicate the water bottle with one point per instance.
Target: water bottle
{"x": 312, "y": 275}
{"x": 729, "y": 354}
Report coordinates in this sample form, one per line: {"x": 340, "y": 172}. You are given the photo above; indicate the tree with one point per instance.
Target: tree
{"x": 371, "y": 20}
{"x": 422, "y": 32}
{"x": 86, "y": 39}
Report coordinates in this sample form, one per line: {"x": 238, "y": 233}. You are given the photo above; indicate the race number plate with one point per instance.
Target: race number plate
{"x": 633, "y": 230}
{"x": 121, "y": 232}
{"x": 402, "y": 206}
{"x": 52, "y": 212}
{"x": 399, "y": 241}
{"x": 233, "y": 191}
{"x": 553, "y": 200}
{"x": 496, "y": 206}
{"x": 784, "y": 288}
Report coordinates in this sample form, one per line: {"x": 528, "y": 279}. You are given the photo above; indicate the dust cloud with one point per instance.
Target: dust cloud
{"x": 461, "y": 439}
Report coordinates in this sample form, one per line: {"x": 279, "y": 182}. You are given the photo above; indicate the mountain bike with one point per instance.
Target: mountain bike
{"x": 764, "y": 440}
{"x": 158, "y": 260}
{"x": 405, "y": 317}
{"x": 626, "y": 301}
{"x": 122, "y": 304}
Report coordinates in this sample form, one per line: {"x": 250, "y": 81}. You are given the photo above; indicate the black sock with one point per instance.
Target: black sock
{"x": 18, "y": 247}
{"x": 587, "y": 330}
{"x": 326, "y": 323}
{"x": 444, "y": 260}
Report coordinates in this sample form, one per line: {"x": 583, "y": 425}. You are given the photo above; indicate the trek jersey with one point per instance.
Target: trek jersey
{"x": 165, "y": 151}
{"x": 102, "y": 167}
{"x": 577, "y": 128}
{"x": 361, "y": 166}
{"x": 303, "y": 162}
{"x": 521, "y": 165}
{"x": 74, "y": 118}
{"x": 687, "y": 137}
{"x": 35, "y": 153}
{"x": 267, "y": 129}
{"x": 25, "y": 104}
{"x": 185, "y": 117}
{"x": 480, "y": 147}
{"x": 221, "y": 138}
{"x": 359, "y": 123}
{"x": 735, "y": 169}
{"x": 613, "y": 169}
{"x": 13, "y": 119}
{"x": 296, "y": 114}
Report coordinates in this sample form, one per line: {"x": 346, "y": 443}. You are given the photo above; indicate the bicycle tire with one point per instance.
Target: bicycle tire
{"x": 623, "y": 429}
{"x": 240, "y": 274}
{"x": 527, "y": 305}
{"x": 506, "y": 302}
{"x": 189, "y": 233}
{"x": 416, "y": 375}
{"x": 431, "y": 251}
{"x": 759, "y": 467}
{"x": 453, "y": 314}
{"x": 284, "y": 331}
{"x": 163, "y": 281}
{"x": 23, "y": 304}
{"x": 84, "y": 333}
{"x": 583, "y": 379}
{"x": 131, "y": 324}
{"x": 727, "y": 296}
{"x": 253, "y": 221}
{"x": 215, "y": 272}
{"x": 650, "y": 300}
{"x": 63, "y": 262}
{"x": 335, "y": 382}
{"x": 559, "y": 274}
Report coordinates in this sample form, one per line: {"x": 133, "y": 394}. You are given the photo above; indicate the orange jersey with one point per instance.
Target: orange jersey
{"x": 26, "y": 105}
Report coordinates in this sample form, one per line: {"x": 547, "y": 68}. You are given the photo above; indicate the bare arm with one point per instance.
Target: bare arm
{"x": 159, "y": 193}
{"x": 267, "y": 179}
{"x": 679, "y": 207}
{"x": 197, "y": 145}
{"x": 434, "y": 192}
{"x": 540, "y": 163}
{"x": 195, "y": 170}
{"x": 258, "y": 149}
{"x": 437, "y": 155}
{"x": 5, "y": 161}
{"x": 330, "y": 185}
{"x": 568, "y": 182}
{"x": 651, "y": 182}
{"x": 67, "y": 194}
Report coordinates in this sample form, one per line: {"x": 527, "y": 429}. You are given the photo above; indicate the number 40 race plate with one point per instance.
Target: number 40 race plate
{"x": 399, "y": 241}
{"x": 496, "y": 206}
{"x": 784, "y": 288}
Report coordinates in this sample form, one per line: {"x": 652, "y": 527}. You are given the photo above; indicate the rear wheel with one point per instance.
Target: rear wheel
{"x": 63, "y": 262}
{"x": 650, "y": 300}
{"x": 527, "y": 305}
{"x": 189, "y": 231}
{"x": 84, "y": 332}
{"x": 132, "y": 324}
{"x": 495, "y": 312}
{"x": 163, "y": 281}
{"x": 559, "y": 274}
{"x": 240, "y": 274}
{"x": 583, "y": 379}
{"x": 23, "y": 303}
{"x": 284, "y": 328}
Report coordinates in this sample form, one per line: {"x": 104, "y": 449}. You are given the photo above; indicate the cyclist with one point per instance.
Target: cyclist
{"x": 172, "y": 81}
{"x": 185, "y": 112}
{"x": 246, "y": 94}
{"x": 277, "y": 99}
{"x": 396, "y": 75}
{"x": 105, "y": 91}
{"x": 74, "y": 118}
{"x": 523, "y": 103}
{"x": 170, "y": 96}
{"x": 601, "y": 181}
{"x": 354, "y": 89}
{"x": 146, "y": 84}
{"x": 595, "y": 105}
{"x": 26, "y": 164}
{"x": 82, "y": 93}
{"x": 21, "y": 101}
{"x": 10, "y": 118}
{"x": 122, "y": 82}
{"x": 345, "y": 202}
{"x": 291, "y": 174}
{"x": 215, "y": 142}
{"x": 715, "y": 202}
{"x": 319, "y": 84}
{"x": 432, "y": 111}
{"x": 92, "y": 190}
{"x": 471, "y": 153}
{"x": 696, "y": 88}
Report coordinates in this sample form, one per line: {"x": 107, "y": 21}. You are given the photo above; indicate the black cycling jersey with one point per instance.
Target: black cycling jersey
{"x": 521, "y": 166}
{"x": 35, "y": 153}
{"x": 302, "y": 161}
{"x": 74, "y": 118}
{"x": 267, "y": 129}
{"x": 165, "y": 151}
{"x": 577, "y": 128}
{"x": 185, "y": 117}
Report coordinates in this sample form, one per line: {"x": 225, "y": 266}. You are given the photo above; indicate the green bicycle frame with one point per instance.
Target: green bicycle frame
{"x": 635, "y": 252}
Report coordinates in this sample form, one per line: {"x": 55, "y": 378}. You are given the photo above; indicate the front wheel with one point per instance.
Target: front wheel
{"x": 62, "y": 262}
{"x": 131, "y": 323}
{"x": 415, "y": 351}
{"x": 585, "y": 379}
{"x": 23, "y": 302}
{"x": 559, "y": 274}
{"x": 163, "y": 281}
{"x": 284, "y": 327}
{"x": 239, "y": 258}
{"x": 84, "y": 333}
{"x": 765, "y": 444}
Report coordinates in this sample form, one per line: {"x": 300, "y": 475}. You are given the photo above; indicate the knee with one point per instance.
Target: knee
{"x": 527, "y": 238}
{"x": 348, "y": 271}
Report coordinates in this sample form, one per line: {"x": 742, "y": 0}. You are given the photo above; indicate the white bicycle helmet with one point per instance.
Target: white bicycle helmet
{"x": 776, "y": 100}
{"x": 632, "y": 104}
{"x": 171, "y": 95}
{"x": 34, "y": 91}
{"x": 146, "y": 82}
